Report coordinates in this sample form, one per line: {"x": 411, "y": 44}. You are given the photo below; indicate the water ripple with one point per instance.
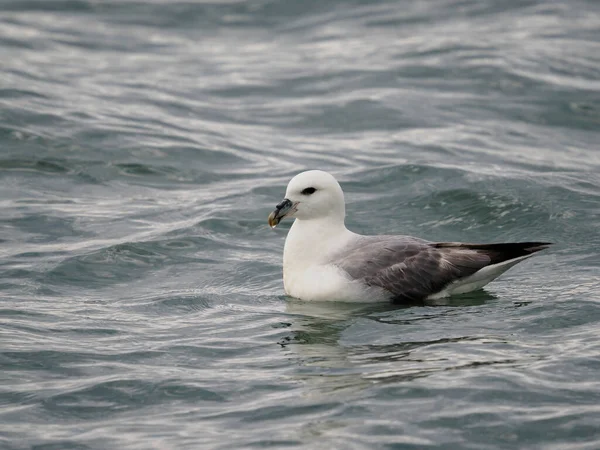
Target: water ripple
{"x": 144, "y": 144}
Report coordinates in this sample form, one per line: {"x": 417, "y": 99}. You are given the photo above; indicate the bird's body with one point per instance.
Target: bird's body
{"x": 324, "y": 261}
{"x": 308, "y": 273}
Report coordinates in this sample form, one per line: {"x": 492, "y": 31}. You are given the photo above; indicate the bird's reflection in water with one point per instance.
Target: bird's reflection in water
{"x": 323, "y": 340}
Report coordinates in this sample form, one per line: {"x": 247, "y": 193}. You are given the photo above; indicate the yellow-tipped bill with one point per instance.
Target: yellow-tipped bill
{"x": 281, "y": 210}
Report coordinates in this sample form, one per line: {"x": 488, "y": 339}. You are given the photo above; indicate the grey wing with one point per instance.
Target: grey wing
{"x": 410, "y": 269}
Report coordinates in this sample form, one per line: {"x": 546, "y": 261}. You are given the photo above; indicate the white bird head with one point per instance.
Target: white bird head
{"x": 311, "y": 195}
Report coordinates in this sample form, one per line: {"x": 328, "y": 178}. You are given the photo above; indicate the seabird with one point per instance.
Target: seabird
{"x": 324, "y": 261}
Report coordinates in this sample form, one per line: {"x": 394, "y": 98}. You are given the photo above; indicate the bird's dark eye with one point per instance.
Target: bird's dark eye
{"x": 308, "y": 191}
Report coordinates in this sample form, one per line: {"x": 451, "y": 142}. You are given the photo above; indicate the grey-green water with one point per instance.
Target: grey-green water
{"x": 142, "y": 145}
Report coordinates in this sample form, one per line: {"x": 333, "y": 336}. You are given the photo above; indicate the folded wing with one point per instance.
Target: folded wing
{"x": 413, "y": 269}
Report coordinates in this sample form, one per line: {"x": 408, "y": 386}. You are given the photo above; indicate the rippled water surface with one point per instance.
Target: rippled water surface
{"x": 142, "y": 145}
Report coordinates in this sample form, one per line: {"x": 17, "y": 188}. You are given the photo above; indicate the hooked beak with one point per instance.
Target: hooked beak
{"x": 286, "y": 207}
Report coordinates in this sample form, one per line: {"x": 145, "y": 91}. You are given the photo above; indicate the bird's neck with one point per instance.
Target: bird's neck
{"x": 311, "y": 241}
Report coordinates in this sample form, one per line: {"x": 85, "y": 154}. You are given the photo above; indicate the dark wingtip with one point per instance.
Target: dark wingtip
{"x": 500, "y": 252}
{"x": 533, "y": 247}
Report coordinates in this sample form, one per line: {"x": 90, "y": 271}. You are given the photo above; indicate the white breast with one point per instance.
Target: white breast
{"x": 328, "y": 283}
{"x": 308, "y": 274}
